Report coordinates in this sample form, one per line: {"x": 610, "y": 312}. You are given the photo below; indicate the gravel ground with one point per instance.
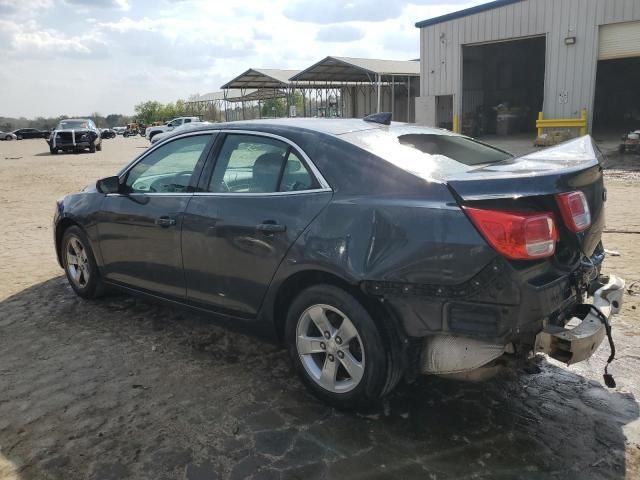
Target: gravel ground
{"x": 122, "y": 388}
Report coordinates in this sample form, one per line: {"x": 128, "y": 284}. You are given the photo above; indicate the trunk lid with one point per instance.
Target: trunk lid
{"x": 535, "y": 179}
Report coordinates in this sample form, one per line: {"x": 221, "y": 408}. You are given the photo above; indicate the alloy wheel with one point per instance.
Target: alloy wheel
{"x": 330, "y": 348}
{"x": 77, "y": 262}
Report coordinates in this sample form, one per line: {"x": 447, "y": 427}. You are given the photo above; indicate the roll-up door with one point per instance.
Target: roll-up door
{"x": 619, "y": 40}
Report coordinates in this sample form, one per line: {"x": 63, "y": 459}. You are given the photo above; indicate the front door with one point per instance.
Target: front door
{"x": 258, "y": 200}
{"x": 139, "y": 230}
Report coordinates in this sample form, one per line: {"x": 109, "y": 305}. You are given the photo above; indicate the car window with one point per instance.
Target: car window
{"x": 167, "y": 169}
{"x": 248, "y": 163}
{"x": 296, "y": 175}
{"x": 187, "y": 120}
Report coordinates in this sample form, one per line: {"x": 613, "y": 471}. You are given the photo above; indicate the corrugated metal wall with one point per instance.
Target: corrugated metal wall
{"x": 569, "y": 68}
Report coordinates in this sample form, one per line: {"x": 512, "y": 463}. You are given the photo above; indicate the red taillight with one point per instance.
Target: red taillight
{"x": 575, "y": 211}
{"x": 519, "y": 236}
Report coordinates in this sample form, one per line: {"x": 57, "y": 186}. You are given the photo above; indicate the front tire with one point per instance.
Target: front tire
{"x": 80, "y": 264}
{"x": 99, "y": 147}
{"x": 336, "y": 347}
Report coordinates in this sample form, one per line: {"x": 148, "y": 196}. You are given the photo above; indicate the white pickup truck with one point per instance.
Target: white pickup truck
{"x": 167, "y": 127}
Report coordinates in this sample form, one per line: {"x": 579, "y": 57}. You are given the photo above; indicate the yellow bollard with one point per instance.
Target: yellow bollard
{"x": 583, "y": 117}
{"x": 456, "y": 124}
{"x": 540, "y": 117}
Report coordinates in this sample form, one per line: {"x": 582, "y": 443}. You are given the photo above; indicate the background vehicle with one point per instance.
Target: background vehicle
{"x": 107, "y": 133}
{"x": 372, "y": 251}
{"x": 181, "y": 128}
{"x": 24, "y": 133}
{"x": 75, "y": 135}
{"x": 119, "y": 130}
{"x": 170, "y": 125}
{"x": 131, "y": 130}
{"x": 630, "y": 142}
{"x": 7, "y": 135}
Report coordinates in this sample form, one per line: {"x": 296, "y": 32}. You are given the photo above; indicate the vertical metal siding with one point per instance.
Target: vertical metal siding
{"x": 568, "y": 68}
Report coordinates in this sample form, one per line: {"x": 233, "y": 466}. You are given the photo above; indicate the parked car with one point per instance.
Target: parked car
{"x": 23, "y": 133}
{"x": 180, "y": 128}
{"x": 372, "y": 251}
{"x": 153, "y": 130}
{"x": 107, "y": 133}
{"x": 119, "y": 130}
{"x": 75, "y": 135}
{"x": 7, "y": 136}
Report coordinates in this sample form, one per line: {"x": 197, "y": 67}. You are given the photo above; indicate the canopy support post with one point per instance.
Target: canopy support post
{"x": 379, "y": 85}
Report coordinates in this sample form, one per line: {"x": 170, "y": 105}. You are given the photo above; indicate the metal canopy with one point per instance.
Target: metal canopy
{"x": 229, "y": 95}
{"x": 261, "y": 78}
{"x": 348, "y": 69}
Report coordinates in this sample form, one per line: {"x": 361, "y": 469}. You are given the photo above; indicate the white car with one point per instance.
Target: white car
{"x": 158, "y": 137}
{"x": 7, "y": 136}
{"x": 151, "y": 132}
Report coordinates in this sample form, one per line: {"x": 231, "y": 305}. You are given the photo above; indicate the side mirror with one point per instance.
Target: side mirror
{"x": 108, "y": 185}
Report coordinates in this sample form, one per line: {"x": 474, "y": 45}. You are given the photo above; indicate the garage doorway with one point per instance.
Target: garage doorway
{"x": 617, "y": 95}
{"x": 617, "y": 101}
{"x": 502, "y": 86}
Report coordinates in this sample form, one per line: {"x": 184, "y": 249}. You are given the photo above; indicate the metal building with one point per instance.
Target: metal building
{"x": 493, "y": 67}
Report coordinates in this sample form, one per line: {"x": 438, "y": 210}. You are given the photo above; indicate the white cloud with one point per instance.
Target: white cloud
{"x": 119, "y": 4}
{"x": 339, "y": 33}
{"x": 131, "y": 51}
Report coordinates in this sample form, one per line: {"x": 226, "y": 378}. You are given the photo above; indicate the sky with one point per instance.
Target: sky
{"x": 66, "y": 57}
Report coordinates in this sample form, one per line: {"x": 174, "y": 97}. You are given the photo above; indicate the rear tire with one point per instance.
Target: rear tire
{"x": 99, "y": 147}
{"x": 336, "y": 347}
{"x": 80, "y": 264}
{"x": 19, "y": 137}
{"x": 53, "y": 151}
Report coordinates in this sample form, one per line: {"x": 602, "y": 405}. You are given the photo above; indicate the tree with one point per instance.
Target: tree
{"x": 149, "y": 112}
{"x": 274, "y": 107}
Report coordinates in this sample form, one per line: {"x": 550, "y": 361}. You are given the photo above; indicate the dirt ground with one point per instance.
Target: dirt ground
{"x": 122, "y": 388}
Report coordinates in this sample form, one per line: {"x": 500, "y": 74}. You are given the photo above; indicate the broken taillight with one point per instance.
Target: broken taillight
{"x": 574, "y": 210}
{"x": 516, "y": 235}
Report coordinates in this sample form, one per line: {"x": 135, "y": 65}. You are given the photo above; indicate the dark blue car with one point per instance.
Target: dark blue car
{"x": 373, "y": 251}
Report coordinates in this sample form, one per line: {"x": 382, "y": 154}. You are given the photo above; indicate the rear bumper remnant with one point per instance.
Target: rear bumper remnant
{"x": 573, "y": 345}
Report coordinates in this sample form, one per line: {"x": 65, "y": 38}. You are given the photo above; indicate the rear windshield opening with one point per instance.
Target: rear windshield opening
{"x": 461, "y": 149}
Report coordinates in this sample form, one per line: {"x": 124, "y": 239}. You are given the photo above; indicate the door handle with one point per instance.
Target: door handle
{"x": 270, "y": 226}
{"x": 165, "y": 221}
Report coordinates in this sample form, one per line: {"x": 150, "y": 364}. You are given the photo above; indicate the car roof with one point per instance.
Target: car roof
{"x": 329, "y": 126}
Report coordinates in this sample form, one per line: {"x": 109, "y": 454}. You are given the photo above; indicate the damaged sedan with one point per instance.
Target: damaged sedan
{"x": 374, "y": 251}
{"x": 75, "y": 135}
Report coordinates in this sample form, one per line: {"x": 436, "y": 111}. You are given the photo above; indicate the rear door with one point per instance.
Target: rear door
{"x": 261, "y": 193}
{"x": 139, "y": 230}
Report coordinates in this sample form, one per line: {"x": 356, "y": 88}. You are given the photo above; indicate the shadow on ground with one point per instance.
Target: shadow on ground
{"x": 122, "y": 388}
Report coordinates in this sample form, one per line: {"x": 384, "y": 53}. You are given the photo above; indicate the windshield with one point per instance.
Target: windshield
{"x": 72, "y": 124}
{"x": 427, "y": 153}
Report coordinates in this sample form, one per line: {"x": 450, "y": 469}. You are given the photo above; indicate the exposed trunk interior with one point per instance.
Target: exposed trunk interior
{"x": 503, "y": 86}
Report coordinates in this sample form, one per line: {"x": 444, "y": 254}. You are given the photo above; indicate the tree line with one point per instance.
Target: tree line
{"x": 145, "y": 112}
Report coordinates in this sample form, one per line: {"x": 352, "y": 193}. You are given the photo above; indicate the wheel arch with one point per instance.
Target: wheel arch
{"x": 390, "y": 326}
{"x": 62, "y": 227}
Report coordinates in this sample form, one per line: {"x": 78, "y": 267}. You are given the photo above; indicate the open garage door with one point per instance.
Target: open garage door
{"x": 502, "y": 86}
{"x": 617, "y": 98}
{"x": 619, "y": 40}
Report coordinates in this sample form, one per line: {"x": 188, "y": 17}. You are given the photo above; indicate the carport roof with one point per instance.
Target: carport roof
{"x": 261, "y": 78}
{"x": 229, "y": 95}
{"x": 349, "y": 69}
{"x": 238, "y": 95}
